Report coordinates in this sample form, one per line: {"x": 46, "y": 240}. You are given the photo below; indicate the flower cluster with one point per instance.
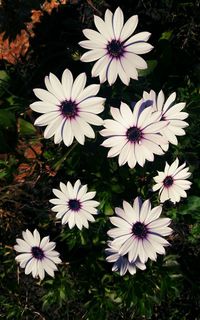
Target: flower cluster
{"x": 37, "y": 255}
{"x": 135, "y": 135}
{"x": 68, "y": 108}
{"x": 138, "y": 235}
{"x": 74, "y": 205}
{"x": 116, "y": 50}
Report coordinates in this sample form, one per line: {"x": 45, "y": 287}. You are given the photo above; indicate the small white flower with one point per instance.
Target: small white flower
{"x": 170, "y": 112}
{"x": 139, "y": 231}
{"x": 37, "y": 255}
{"x": 121, "y": 263}
{"x": 74, "y": 204}
{"x": 134, "y": 135}
{"x": 116, "y": 50}
{"x": 172, "y": 182}
{"x": 68, "y": 108}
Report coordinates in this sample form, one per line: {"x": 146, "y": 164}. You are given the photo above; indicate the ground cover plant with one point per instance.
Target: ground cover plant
{"x": 99, "y": 160}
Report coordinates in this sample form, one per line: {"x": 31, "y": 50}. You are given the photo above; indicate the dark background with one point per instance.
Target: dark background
{"x": 30, "y": 166}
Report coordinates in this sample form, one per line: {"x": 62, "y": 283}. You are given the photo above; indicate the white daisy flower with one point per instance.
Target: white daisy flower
{"x": 172, "y": 182}
{"x": 170, "y": 112}
{"x": 74, "y": 204}
{"x": 37, "y": 255}
{"x": 134, "y": 135}
{"x": 68, "y": 108}
{"x": 121, "y": 263}
{"x": 116, "y": 50}
{"x": 139, "y": 231}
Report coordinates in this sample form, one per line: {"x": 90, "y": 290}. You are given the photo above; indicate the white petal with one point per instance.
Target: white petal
{"x": 129, "y": 67}
{"x": 88, "y": 196}
{"x": 78, "y": 86}
{"x": 123, "y": 156}
{"x": 95, "y": 37}
{"x": 164, "y": 195}
{"x": 129, "y": 27}
{"x": 46, "y": 118}
{"x": 93, "y": 55}
{"x": 52, "y": 127}
{"x": 154, "y": 214}
{"x": 102, "y": 28}
{"x": 90, "y": 103}
{"x": 91, "y": 118}
{"x": 100, "y": 66}
{"x": 139, "y": 38}
{"x": 136, "y": 60}
{"x": 67, "y": 134}
{"x": 60, "y": 195}
{"x": 28, "y": 237}
{"x": 112, "y": 71}
{"x": 162, "y": 222}
{"x": 22, "y": 246}
{"x": 169, "y": 101}
{"x": 121, "y": 223}
{"x": 118, "y": 22}
{"x": 41, "y": 272}
{"x": 146, "y": 207}
{"x": 141, "y": 252}
{"x": 36, "y": 237}
{"x": 88, "y": 44}
{"x": 122, "y": 74}
{"x": 140, "y": 47}
{"x": 67, "y": 81}
{"x": 23, "y": 257}
{"x": 84, "y": 129}
{"x": 71, "y": 221}
{"x": 29, "y": 266}
{"x": 140, "y": 154}
{"x": 89, "y": 91}
{"x": 46, "y": 96}
{"x": 57, "y": 87}
{"x": 43, "y": 107}
{"x": 44, "y": 242}
{"x": 109, "y": 22}
{"x": 58, "y": 132}
{"x": 154, "y": 127}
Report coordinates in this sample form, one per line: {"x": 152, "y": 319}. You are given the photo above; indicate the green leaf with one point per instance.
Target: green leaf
{"x": 192, "y": 206}
{"x": 3, "y": 76}
{"x": 151, "y": 64}
{"x": 7, "y": 119}
{"x": 166, "y": 35}
{"x": 26, "y": 128}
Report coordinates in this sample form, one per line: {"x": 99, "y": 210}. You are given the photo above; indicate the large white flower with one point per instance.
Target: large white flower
{"x": 170, "y": 112}
{"x": 116, "y": 50}
{"x": 74, "y": 204}
{"x": 134, "y": 135}
{"x": 68, "y": 108}
{"x": 37, "y": 255}
{"x": 121, "y": 263}
{"x": 172, "y": 182}
{"x": 139, "y": 231}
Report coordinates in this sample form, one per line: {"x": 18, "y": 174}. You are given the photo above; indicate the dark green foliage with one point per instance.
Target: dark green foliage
{"x": 30, "y": 166}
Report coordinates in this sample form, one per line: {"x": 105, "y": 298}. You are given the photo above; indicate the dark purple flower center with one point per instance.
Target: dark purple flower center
{"x": 74, "y": 204}
{"x": 168, "y": 181}
{"x": 69, "y": 108}
{"x": 134, "y": 134}
{"x": 37, "y": 253}
{"x": 139, "y": 230}
{"x": 115, "y": 48}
